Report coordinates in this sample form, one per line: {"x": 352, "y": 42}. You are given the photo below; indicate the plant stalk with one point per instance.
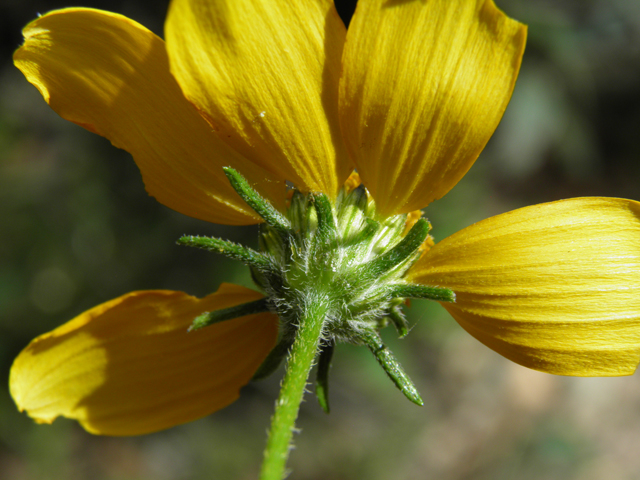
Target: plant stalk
{"x": 301, "y": 357}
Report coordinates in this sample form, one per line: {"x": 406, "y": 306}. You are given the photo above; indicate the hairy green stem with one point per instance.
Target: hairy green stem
{"x": 303, "y": 353}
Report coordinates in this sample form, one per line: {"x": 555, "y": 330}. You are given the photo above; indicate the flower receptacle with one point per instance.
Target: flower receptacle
{"x": 337, "y": 254}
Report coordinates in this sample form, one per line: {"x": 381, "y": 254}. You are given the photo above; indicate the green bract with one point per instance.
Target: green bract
{"x": 338, "y": 255}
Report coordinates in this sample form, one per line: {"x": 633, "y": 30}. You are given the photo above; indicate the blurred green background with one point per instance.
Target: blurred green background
{"x": 78, "y": 229}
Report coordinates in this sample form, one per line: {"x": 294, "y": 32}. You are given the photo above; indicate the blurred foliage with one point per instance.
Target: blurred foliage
{"x": 78, "y": 229}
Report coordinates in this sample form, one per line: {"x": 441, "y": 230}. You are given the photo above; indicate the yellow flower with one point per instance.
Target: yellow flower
{"x": 280, "y": 91}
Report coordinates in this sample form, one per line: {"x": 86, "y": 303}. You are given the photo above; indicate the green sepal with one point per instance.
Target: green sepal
{"x": 273, "y": 360}
{"x": 391, "y": 366}
{"x": 256, "y": 201}
{"x": 351, "y": 212}
{"x": 357, "y": 197}
{"x": 298, "y": 211}
{"x": 326, "y": 231}
{"x": 232, "y": 250}
{"x": 438, "y": 294}
{"x": 399, "y": 321}
{"x": 366, "y": 234}
{"x": 403, "y": 250}
{"x": 209, "y": 318}
{"x": 322, "y": 375}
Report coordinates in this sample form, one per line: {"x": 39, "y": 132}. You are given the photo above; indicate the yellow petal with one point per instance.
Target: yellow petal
{"x": 129, "y": 366}
{"x": 265, "y": 75}
{"x": 111, "y": 75}
{"x": 424, "y": 86}
{"x": 554, "y": 287}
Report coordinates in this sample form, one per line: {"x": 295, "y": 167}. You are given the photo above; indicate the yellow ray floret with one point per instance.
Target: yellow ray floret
{"x": 129, "y": 367}
{"x": 554, "y": 287}
{"x": 265, "y": 75}
{"x": 423, "y": 87}
{"x": 111, "y": 75}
